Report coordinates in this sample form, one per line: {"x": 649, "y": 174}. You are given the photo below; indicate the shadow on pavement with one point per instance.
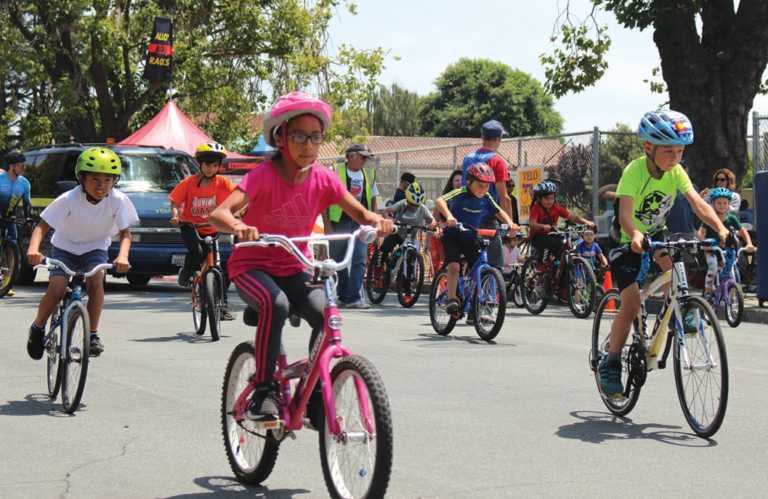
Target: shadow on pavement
{"x": 599, "y": 427}
{"x": 436, "y": 339}
{"x": 35, "y": 404}
{"x": 222, "y": 486}
{"x": 188, "y": 337}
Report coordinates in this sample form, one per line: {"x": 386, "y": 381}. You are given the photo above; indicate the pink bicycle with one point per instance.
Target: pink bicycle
{"x": 356, "y": 438}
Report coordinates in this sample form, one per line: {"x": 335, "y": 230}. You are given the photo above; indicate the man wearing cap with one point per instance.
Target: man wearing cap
{"x": 14, "y": 191}
{"x": 361, "y": 183}
{"x": 491, "y": 133}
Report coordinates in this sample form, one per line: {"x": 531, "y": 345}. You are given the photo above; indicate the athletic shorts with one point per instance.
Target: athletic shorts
{"x": 77, "y": 263}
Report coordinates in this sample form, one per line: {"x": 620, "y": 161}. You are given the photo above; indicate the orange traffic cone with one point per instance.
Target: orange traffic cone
{"x": 607, "y": 286}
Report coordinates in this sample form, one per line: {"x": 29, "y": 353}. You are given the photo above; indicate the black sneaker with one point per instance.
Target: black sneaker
{"x": 185, "y": 277}
{"x": 315, "y": 411}
{"x": 264, "y": 405}
{"x": 226, "y": 315}
{"x": 97, "y": 347}
{"x": 35, "y": 346}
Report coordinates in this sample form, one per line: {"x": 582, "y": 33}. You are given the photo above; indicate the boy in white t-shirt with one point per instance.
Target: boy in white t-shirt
{"x": 84, "y": 220}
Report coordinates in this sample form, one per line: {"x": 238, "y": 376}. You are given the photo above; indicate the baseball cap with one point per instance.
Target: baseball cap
{"x": 492, "y": 129}
{"x": 359, "y": 149}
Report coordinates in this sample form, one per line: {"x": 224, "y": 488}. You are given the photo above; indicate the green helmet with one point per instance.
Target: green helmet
{"x": 98, "y": 160}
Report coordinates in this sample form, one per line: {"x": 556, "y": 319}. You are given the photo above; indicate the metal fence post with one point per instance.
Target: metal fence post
{"x": 595, "y": 171}
{"x": 455, "y": 156}
{"x": 397, "y": 168}
{"x": 755, "y": 142}
{"x": 519, "y": 153}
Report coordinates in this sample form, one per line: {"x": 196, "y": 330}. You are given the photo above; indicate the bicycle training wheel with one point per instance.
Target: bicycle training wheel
{"x": 76, "y": 353}
{"x": 535, "y": 288}
{"x": 734, "y": 307}
{"x": 213, "y": 302}
{"x": 10, "y": 259}
{"x": 489, "y": 313}
{"x": 199, "y": 310}
{"x": 251, "y": 451}
{"x": 358, "y": 461}
{"x": 442, "y": 322}
{"x": 701, "y": 369}
{"x": 376, "y": 280}
{"x": 605, "y": 314}
{"x": 409, "y": 287}
{"x": 54, "y": 366}
{"x": 581, "y": 287}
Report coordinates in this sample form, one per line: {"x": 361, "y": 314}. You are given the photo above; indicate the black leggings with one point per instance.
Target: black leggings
{"x": 552, "y": 242}
{"x": 274, "y": 298}
{"x": 197, "y": 250}
{"x": 388, "y": 245}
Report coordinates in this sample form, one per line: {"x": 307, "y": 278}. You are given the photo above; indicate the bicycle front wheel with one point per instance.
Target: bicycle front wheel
{"x": 213, "y": 302}
{"x": 54, "y": 366}
{"x": 251, "y": 452}
{"x": 10, "y": 260}
{"x": 734, "y": 305}
{"x": 358, "y": 461}
{"x": 535, "y": 288}
{"x": 581, "y": 287}
{"x": 632, "y": 362}
{"x": 78, "y": 348}
{"x": 409, "y": 283}
{"x": 199, "y": 310}
{"x": 701, "y": 369}
{"x": 489, "y": 312}
{"x": 442, "y": 321}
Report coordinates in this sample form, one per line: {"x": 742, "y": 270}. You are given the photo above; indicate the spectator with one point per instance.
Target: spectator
{"x": 454, "y": 181}
{"x": 361, "y": 183}
{"x": 513, "y": 200}
{"x": 746, "y": 215}
{"x": 724, "y": 178}
{"x": 406, "y": 179}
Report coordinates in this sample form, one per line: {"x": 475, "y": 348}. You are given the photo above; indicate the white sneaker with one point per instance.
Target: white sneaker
{"x": 361, "y": 304}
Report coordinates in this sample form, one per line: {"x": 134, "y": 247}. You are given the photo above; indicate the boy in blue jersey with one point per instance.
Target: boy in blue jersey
{"x": 14, "y": 190}
{"x": 469, "y": 206}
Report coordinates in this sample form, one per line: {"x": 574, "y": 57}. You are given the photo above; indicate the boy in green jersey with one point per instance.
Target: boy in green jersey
{"x": 646, "y": 192}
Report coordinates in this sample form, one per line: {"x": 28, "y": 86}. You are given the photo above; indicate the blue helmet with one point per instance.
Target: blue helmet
{"x": 545, "y": 188}
{"x": 666, "y": 128}
{"x": 720, "y": 192}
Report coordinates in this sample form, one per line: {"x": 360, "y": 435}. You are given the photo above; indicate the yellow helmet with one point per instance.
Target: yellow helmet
{"x": 210, "y": 152}
{"x": 414, "y": 194}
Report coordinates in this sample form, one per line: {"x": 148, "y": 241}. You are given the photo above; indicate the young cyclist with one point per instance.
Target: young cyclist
{"x": 409, "y": 211}
{"x": 720, "y": 197}
{"x": 646, "y": 191}
{"x": 543, "y": 217}
{"x": 284, "y": 195}
{"x": 84, "y": 219}
{"x": 589, "y": 249}
{"x": 196, "y": 197}
{"x": 469, "y": 205}
{"x": 14, "y": 189}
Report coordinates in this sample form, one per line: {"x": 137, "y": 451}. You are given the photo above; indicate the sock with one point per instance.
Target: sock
{"x": 94, "y": 334}
{"x": 613, "y": 358}
{"x": 37, "y": 328}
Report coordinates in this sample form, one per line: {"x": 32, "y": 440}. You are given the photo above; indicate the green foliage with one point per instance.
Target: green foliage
{"x": 574, "y": 169}
{"x": 579, "y": 62}
{"x": 394, "y": 111}
{"x": 472, "y": 91}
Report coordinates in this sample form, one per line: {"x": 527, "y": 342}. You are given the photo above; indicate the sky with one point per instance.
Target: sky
{"x": 428, "y": 35}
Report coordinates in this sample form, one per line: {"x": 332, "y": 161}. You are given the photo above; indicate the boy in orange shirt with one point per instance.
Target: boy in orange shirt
{"x": 196, "y": 197}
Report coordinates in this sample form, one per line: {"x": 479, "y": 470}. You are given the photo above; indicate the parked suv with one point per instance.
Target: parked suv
{"x": 149, "y": 174}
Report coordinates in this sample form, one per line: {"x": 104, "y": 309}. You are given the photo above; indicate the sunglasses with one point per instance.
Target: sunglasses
{"x": 302, "y": 138}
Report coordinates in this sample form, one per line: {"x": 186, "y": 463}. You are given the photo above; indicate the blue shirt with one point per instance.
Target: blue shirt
{"x": 13, "y": 192}
{"x": 479, "y": 156}
{"x": 468, "y": 209}
{"x": 589, "y": 251}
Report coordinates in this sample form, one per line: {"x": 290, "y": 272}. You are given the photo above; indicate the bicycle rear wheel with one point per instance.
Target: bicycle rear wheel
{"x": 581, "y": 287}
{"x": 358, "y": 461}
{"x": 734, "y": 305}
{"x": 54, "y": 366}
{"x": 251, "y": 452}
{"x": 76, "y": 354}
{"x": 489, "y": 314}
{"x": 376, "y": 279}
{"x": 701, "y": 369}
{"x": 605, "y": 314}
{"x": 535, "y": 288}
{"x": 10, "y": 260}
{"x": 409, "y": 287}
{"x": 442, "y": 321}
{"x": 199, "y": 308}
{"x": 515, "y": 290}
{"x": 213, "y": 302}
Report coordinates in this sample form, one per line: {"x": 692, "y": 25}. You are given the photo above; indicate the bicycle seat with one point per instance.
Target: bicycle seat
{"x": 251, "y": 317}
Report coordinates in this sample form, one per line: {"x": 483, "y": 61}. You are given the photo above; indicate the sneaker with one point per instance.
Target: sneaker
{"x": 452, "y": 307}
{"x": 470, "y": 320}
{"x": 691, "y": 322}
{"x": 360, "y": 304}
{"x": 185, "y": 278}
{"x": 97, "y": 347}
{"x": 35, "y": 346}
{"x": 10, "y": 293}
{"x": 264, "y": 405}
{"x": 610, "y": 379}
{"x": 226, "y": 315}
{"x": 315, "y": 412}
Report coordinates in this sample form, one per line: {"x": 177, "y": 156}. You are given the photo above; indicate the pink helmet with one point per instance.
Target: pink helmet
{"x": 291, "y": 105}
{"x": 481, "y": 172}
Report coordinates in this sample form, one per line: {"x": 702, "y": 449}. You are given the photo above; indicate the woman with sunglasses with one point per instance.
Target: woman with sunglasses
{"x": 725, "y": 179}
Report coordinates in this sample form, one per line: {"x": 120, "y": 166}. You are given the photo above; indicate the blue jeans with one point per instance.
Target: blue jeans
{"x": 77, "y": 263}
{"x": 350, "y": 281}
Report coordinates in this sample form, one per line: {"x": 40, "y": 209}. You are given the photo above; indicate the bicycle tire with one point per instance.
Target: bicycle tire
{"x": 199, "y": 308}
{"x": 376, "y": 295}
{"x": 489, "y": 275}
{"x": 529, "y": 288}
{"x": 590, "y": 281}
{"x": 77, "y": 353}
{"x": 601, "y": 330}
{"x": 406, "y": 295}
{"x": 442, "y": 323}
{"x": 54, "y": 366}
{"x": 735, "y": 298}
{"x": 354, "y": 368}
{"x": 708, "y": 318}
{"x": 240, "y": 368}
{"x": 213, "y": 303}
{"x": 10, "y": 261}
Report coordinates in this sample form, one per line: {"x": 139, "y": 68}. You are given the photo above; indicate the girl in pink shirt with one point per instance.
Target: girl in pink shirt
{"x": 284, "y": 196}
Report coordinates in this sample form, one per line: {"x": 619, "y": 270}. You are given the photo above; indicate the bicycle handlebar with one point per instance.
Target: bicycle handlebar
{"x": 52, "y": 263}
{"x": 399, "y": 226}
{"x": 365, "y": 233}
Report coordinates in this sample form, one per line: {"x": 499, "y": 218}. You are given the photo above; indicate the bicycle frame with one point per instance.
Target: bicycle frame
{"x": 468, "y": 284}
{"x": 410, "y": 244}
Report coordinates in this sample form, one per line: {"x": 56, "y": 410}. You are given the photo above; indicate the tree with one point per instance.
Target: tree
{"x": 78, "y": 64}
{"x": 472, "y": 91}
{"x": 574, "y": 169}
{"x": 712, "y": 60}
{"x": 620, "y": 147}
{"x": 394, "y": 111}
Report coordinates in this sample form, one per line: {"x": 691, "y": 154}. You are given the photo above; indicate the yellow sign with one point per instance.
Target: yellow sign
{"x": 527, "y": 178}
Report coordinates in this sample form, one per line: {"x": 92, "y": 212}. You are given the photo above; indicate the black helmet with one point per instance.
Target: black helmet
{"x": 14, "y": 157}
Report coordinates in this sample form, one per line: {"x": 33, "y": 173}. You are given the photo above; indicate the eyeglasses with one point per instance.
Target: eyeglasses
{"x": 302, "y": 138}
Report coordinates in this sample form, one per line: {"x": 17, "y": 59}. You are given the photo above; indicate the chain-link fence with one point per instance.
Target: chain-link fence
{"x": 759, "y": 142}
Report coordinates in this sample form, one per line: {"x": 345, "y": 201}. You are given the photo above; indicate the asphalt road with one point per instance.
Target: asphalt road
{"x": 519, "y": 418}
